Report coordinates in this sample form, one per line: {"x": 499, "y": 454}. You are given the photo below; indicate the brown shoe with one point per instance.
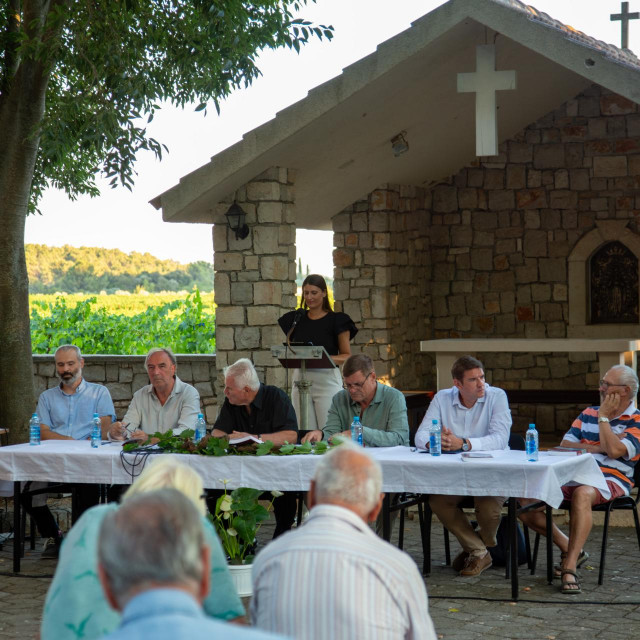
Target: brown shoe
{"x": 476, "y": 565}
{"x": 460, "y": 561}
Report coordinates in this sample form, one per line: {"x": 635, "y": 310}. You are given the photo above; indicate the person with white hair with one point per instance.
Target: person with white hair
{"x": 153, "y": 564}
{"x": 263, "y": 411}
{"x": 166, "y": 403}
{"x": 611, "y": 433}
{"x": 333, "y": 577}
{"x": 75, "y": 602}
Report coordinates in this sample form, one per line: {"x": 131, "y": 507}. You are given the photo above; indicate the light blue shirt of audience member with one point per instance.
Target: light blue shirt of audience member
{"x": 170, "y": 614}
{"x": 72, "y": 415}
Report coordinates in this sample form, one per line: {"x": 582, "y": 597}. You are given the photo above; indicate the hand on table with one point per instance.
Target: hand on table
{"x": 312, "y": 436}
{"x": 449, "y": 441}
{"x": 239, "y": 434}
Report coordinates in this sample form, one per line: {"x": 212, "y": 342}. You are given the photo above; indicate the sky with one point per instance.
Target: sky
{"x": 125, "y": 220}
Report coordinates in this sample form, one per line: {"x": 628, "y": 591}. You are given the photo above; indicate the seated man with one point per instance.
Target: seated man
{"x": 382, "y": 409}
{"x": 66, "y": 413}
{"x": 253, "y": 408}
{"x": 611, "y": 432}
{"x": 346, "y": 582}
{"x": 154, "y": 568}
{"x": 472, "y": 416}
{"x": 166, "y": 403}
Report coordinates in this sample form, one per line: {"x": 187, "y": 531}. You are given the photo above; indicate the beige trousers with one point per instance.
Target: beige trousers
{"x": 488, "y": 512}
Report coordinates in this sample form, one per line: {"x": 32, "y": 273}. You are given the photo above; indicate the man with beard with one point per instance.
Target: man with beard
{"x": 611, "y": 433}
{"x": 66, "y": 413}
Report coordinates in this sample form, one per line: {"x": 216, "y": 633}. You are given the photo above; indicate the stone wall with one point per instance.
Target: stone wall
{"x": 124, "y": 375}
{"x": 255, "y": 277}
{"x": 381, "y": 279}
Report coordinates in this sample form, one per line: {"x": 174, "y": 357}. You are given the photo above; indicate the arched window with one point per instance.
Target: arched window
{"x": 613, "y": 285}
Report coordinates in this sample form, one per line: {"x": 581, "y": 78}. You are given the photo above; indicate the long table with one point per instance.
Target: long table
{"x": 403, "y": 469}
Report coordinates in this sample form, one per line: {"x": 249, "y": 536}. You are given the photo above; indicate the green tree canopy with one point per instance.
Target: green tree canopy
{"x": 78, "y": 83}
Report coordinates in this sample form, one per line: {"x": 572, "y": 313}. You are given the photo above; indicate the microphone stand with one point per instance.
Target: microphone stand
{"x": 303, "y": 384}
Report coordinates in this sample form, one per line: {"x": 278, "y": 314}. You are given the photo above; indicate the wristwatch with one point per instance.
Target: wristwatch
{"x": 466, "y": 445}
{"x": 603, "y": 419}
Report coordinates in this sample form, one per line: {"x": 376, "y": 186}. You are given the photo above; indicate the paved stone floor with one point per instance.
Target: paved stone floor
{"x": 462, "y": 608}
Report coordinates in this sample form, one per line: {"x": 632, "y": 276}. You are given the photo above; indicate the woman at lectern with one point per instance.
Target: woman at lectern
{"x": 316, "y": 323}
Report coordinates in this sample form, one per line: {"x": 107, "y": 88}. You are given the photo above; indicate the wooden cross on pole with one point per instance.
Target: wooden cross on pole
{"x": 625, "y": 17}
{"x": 484, "y": 83}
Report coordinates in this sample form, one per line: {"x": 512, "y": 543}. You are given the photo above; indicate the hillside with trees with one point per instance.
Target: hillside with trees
{"x": 93, "y": 269}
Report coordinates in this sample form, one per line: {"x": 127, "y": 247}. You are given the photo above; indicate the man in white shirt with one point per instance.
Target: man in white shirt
{"x": 473, "y": 417}
{"x": 165, "y": 404}
{"x": 333, "y": 577}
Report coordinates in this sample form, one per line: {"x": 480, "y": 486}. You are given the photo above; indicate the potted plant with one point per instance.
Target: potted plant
{"x": 237, "y": 520}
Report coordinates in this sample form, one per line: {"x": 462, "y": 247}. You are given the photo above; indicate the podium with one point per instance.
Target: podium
{"x": 303, "y": 358}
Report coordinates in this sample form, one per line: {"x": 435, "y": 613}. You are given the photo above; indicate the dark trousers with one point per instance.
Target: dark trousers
{"x": 86, "y": 496}
{"x": 284, "y": 508}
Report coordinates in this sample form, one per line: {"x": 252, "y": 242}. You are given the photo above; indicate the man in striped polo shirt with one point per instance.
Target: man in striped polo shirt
{"x": 611, "y": 433}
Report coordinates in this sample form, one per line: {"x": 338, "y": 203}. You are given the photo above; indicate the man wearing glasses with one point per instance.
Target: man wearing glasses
{"x": 382, "y": 410}
{"x": 611, "y": 433}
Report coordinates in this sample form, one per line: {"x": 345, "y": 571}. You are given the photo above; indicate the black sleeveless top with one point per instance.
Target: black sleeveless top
{"x": 322, "y": 332}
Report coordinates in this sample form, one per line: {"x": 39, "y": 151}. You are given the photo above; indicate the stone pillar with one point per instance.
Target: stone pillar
{"x": 255, "y": 277}
{"x": 381, "y": 279}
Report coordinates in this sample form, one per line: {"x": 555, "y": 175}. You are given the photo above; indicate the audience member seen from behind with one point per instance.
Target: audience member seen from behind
{"x": 153, "y": 564}
{"x": 165, "y": 404}
{"x": 611, "y": 433}
{"x": 66, "y": 413}
{"x": 75, "y": 602}
{"x": 318, "y": 324}
{"x": 474, "y": 416}
{"x": 333, "y": 577}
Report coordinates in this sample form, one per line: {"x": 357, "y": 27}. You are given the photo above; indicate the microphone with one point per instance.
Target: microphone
{"x": 300, "y": 313}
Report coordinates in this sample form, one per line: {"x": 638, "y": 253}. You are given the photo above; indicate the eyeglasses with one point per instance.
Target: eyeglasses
{"x": 605, "y": 385}
{"x": 357, "y": 385}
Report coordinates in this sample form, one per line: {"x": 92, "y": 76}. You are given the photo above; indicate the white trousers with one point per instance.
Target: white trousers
{"x": 325, "y": 384}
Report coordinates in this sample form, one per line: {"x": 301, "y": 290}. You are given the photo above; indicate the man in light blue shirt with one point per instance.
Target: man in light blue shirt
{"x": 154, "y": 567}
{"x": 473, "y": 416}
{"x": 66, "y": 413}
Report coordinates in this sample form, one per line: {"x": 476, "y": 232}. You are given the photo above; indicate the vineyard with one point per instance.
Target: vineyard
{"x": 123, "y": 323}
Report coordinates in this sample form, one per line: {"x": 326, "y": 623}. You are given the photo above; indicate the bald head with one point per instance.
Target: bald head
{"x": 350, "y": 478}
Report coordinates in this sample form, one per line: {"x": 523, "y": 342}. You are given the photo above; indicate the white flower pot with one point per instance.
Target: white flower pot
{"x": 241, "y": 576}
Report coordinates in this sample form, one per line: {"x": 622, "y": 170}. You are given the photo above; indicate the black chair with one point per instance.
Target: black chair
{"x": 625, "y": 503}
{"x": 517, "y": 443}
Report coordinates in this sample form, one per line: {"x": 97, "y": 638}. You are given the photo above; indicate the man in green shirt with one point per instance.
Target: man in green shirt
{"x": 382, "y": 409}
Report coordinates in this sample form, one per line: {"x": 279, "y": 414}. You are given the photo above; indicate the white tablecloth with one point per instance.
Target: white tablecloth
{"x": 506, "y": 474}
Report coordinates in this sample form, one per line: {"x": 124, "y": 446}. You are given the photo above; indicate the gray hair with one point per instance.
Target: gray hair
{"x": 338, "y": 478}
{"x": 627, "y": 377}
{"x": 166, "y": 350}
{"x": 357, "y": 362}
{"x": 244, "y": 373}
{"x": 68, "y": 347}
{"x": 153, "y": 538}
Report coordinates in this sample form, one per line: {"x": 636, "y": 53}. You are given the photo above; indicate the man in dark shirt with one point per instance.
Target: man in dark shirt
{"x": 264, "y": 411}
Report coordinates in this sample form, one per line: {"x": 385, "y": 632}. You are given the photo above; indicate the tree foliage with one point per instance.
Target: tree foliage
{"x": 93, "y": 269}
{"x": 114, "y": 63}
{"x": 79, "y": 81}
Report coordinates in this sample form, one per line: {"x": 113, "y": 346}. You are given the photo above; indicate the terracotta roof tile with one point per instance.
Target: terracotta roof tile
{"x": 624, "y": 56}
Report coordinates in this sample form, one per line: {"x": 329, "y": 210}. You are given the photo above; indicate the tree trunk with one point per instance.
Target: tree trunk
{"x": 21, "y": 113}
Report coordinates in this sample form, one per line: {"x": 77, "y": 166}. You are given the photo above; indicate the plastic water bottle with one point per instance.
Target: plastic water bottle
{"x": 356, "y": 430}
{"x": 200, "y": 429}
{"x": 435, "y": 442}
{"x": 96, "y": 431}
{"x": 532, "y": 443}
{"x": 34, "y": 429}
